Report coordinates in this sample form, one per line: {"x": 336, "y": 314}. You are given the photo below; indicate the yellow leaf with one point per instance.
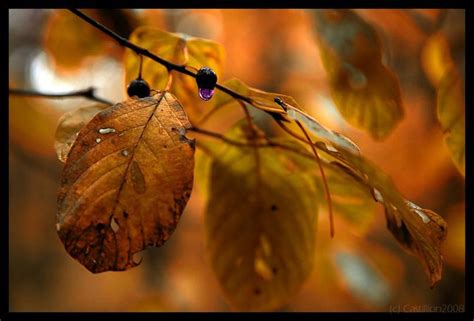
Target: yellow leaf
{"x": 451, "y": 115}
{"x": 179, "y": 49}
{"x": 126, "y": 181}
{"x": 69, "y": 126}
{"x": 365, "y": 91}
{"x": 351, "y": 198}
{"x": 260, "y": 223}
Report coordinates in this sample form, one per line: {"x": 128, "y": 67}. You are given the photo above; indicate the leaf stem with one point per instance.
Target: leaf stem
{"x": 323, "y": 176}
{"x": 218, "y": 136}
{"x": 88, "y": 93}
{"x": 267, "y": 144}
{"x": 170, "y": 81}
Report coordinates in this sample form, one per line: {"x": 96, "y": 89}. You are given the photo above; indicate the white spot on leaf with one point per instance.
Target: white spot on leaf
{"x": 114, "y": 225}
{"x": 378, "y": 196}
{"x": 106, "y": 130}
{"x": 331, "y": 148}
{"x": 137, "y": 258}
{"x": 423, "y": 216}
{"x": 418, "y": 210}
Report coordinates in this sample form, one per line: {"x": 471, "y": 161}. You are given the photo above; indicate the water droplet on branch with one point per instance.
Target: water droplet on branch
{"x": 205, "y": 93}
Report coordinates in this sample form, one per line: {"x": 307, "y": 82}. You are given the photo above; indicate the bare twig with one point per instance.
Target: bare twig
{"x": 88, "y": 93}
{"x": 218, "y": 136}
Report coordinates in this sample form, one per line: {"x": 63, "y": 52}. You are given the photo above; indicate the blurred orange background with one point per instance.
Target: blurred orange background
{"x": 273, "y": 50}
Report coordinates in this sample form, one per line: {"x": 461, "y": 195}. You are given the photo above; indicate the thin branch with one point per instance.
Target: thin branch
{"x": 290, "y": 132}
{"x": 219, "y": 136}
{"x": 88, "y": 93}
{"x": 267, "y": 144}
{"x": 254, "y": 144}
{"x": 142, "y": 51}
{"x": 323, "y": 176}
{"x": 248, "y": 118}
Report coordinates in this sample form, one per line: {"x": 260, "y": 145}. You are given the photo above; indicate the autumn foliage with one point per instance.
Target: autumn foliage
{"x": 265, "y": 174}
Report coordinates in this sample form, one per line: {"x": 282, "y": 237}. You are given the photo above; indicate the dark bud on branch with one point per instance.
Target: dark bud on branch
{"x": 206, "y": 80}
{"x": 139, "y": 88}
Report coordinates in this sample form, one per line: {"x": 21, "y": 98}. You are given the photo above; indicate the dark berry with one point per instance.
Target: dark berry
{"x": 138, "y": 87}
{"x": 206, "y": 79}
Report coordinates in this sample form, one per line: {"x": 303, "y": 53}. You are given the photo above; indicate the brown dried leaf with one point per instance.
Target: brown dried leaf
{"x": 69, "y": 126}
{"x": 419, "y": 231}
{"x": 126, "y": 182}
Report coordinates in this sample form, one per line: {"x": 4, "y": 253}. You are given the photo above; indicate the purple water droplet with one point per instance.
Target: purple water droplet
{"x": 206, "y": 93}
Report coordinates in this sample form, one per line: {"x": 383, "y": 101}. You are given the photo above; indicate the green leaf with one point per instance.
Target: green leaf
{"x": 69, "y": 126}
{"x": 179, "y": 49}
{"x": 260, "y": 223}
{"x": 419, "y": 231}
{"x": 365, "y": 91}
{"x": 451, "y": 115}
